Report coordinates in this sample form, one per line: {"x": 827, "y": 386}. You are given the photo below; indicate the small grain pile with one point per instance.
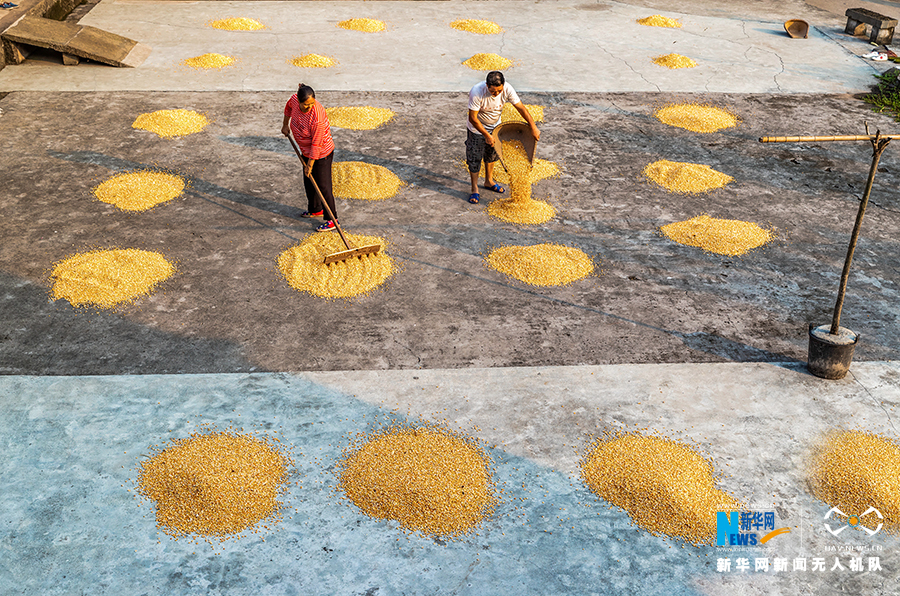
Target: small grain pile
{"x": 666, "y": 487}
{"x": 364, "y": 25}
{"x": 477, "y": 26}
{"x": 215, "y": 484}
{"x": 139, "y": 191}
{"x": 171, "y": 123}
{"x": 488, "y": 62}
{"x": 303, "y": 268}
{"x": 209, "y": 61}
{"x": 730, "y": 237}
{"x": 658, "y": 20}
{"x": 105, "y": 278}
{"x": 674, "y": 61}
{"x": 364, "y": 181}
{"x": 855, "y": 470}
{"x": 312, "y": 61}
{"x": 359, "y": 117}
{"x": 541, "y": 264}
{"x": 237, "y": 24}
{"x": 511, "y": 114}
{"x": 696, "y": 117}
{"x": 519, "y": 207}
{"x": 429, "y": 479}
{"x": 682, "y": 177}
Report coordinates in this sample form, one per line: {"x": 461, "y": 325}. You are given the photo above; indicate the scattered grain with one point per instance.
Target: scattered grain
{"x": 364, "y": 181}
{"x": 519, "y": 207}
{"x": 511, "y": 114}
{"x": 359, "y": 117}
{"x": 365, "y": 25}
{"x": 696, "y": 117}
{"x": 488, "y": 62}
{"x": 237, "y": 24}
{"x": 682, "y": 177}
{"x": 208, "y": 61}
{"x": 728, "y": 237}
{"x": 312, "y": 61}
{"x": 658, "y": 20}
{"x": 477, "y": 26}
{"x": 171, "y": 123}
{"x": 674, "y": 61}
{"x": 140, "y": 190}
{"x": 541, "y": 264}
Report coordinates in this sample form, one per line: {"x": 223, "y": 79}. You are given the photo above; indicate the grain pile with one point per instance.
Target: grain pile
{"x": 171, "y": 123}
{"x": 303, "y": 268}
{"x": 540, "y": 170}
{"x": 541, "y": 264}
{"x": 105, "y": 278}
{"x": 666, "y": 487}
{"x": 365, "y": 25}
{"x": 855, "y": 470}
{"x": 519, "y": 207}
{"x": 658, "y": 20}
{"x": 429, "y": 479}
{"x": 237, "y": 24}
{"x": 696, "y": 117}
{"x": 477, "y": 26}
{"x": 511, "y": 114}
{"x": 488, "y": 62}
{"x": 214, "y": 485}
{"x": 682, "y": 177}
{"x": 209, "y": 61}
{"x": 730, "y": 237}
{"x": 312, "y": 61}
{"x": 674, "y": 61}
{"x": 359, "y": 117}
{"x": 364, "y": 181}
{"x": 139, "y": 191}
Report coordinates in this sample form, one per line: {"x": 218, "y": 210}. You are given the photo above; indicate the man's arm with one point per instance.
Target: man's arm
{"x": 473, "y": 118}
{"x": 520, "y": 107}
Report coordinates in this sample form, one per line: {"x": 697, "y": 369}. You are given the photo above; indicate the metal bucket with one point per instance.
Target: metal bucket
{"x": 830, "y": 355}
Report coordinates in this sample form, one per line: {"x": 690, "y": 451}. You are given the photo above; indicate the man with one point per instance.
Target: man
{"x": 485, "y": 107}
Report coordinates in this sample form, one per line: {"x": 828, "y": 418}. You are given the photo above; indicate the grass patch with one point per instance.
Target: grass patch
{"x": 886, "y": 95}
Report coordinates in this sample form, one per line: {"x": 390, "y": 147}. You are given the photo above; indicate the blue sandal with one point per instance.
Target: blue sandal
{"x": 473, "y": 198}
{"x": 496, "y": 188}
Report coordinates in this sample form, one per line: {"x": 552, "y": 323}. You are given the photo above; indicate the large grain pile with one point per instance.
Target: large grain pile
{"x": 364, "y": 181}
{"x": 730, "y": 237}
{"x": 696, "y": 117}
{"x": 237, "y": 24}
{"x": 540, "y": 170}
{"x": 658, "y": 20}
{"x": 541, "y": 264}
{"x": 359, "y": 117}
{"x": 171, "y": 123}
{"x": 429, "y": 479}
{"x": 682, "y": 177}
{"x": 488, "y": 62}
{"x": 105, "y": 278}
{"x": 674, "y": 61}
{"x": 477, "y": 26}
{"x": 666, "y": 487}
{"x": 511, "y": 114}
{"x": 304, "y": 269}
{"x": 519, "y": 207}
{"x": 312, "y": 61}
{"x": 141, "y": 190}
{"x": 855, "y": 470}
{"x": 209, "y": 61}
{"x": 216, "y": 484}
{"x": 365, "y": 25}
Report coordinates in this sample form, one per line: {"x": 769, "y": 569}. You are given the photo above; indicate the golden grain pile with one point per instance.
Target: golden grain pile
{"x": 171, "y": 123}
{"x": 683, "y": 177}
{"x": 365, "y": 25}
{"x": 429, "y": 479}
{"x": 674, "y": 61}
{"x": 541, "y": 264}
{"x": 488, "y": 62}
{"x": 477, "y": 26}
{"x": 658, "y": 20}
{"x": 730, "y": 237}
{"x": 359, "y": 117}
{"x": 540, "y": 170}
{"x": 696, "y": 117}
{"x": 105, "y": 278}
{"x": 519, "y": 207}
{"x": 666, "y": 487}
{"x": 237, "y": 24}
{"x": 209, "y": 61}
{"x": 364, "y": 181}
{"x": 312, "y": 61}
{"x": 855, "y": 470}
{"x": 304, "y": 269}
{"x": 511, "y": 114}
{"x": 215, "y": 484}
{"x": 139, "y": 191}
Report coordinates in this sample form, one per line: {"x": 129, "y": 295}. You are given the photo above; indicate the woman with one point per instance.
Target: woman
{"x": 306, "y": 119}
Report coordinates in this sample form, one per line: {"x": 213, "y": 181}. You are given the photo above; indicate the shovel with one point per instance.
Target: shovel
{"x": 343, "y": 255}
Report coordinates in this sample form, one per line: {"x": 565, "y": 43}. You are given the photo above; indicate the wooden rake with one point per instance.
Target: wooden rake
{"x": 351, "y": 251}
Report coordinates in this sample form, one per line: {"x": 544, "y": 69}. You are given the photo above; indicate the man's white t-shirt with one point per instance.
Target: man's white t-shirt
{"x": 489, "y": 107}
